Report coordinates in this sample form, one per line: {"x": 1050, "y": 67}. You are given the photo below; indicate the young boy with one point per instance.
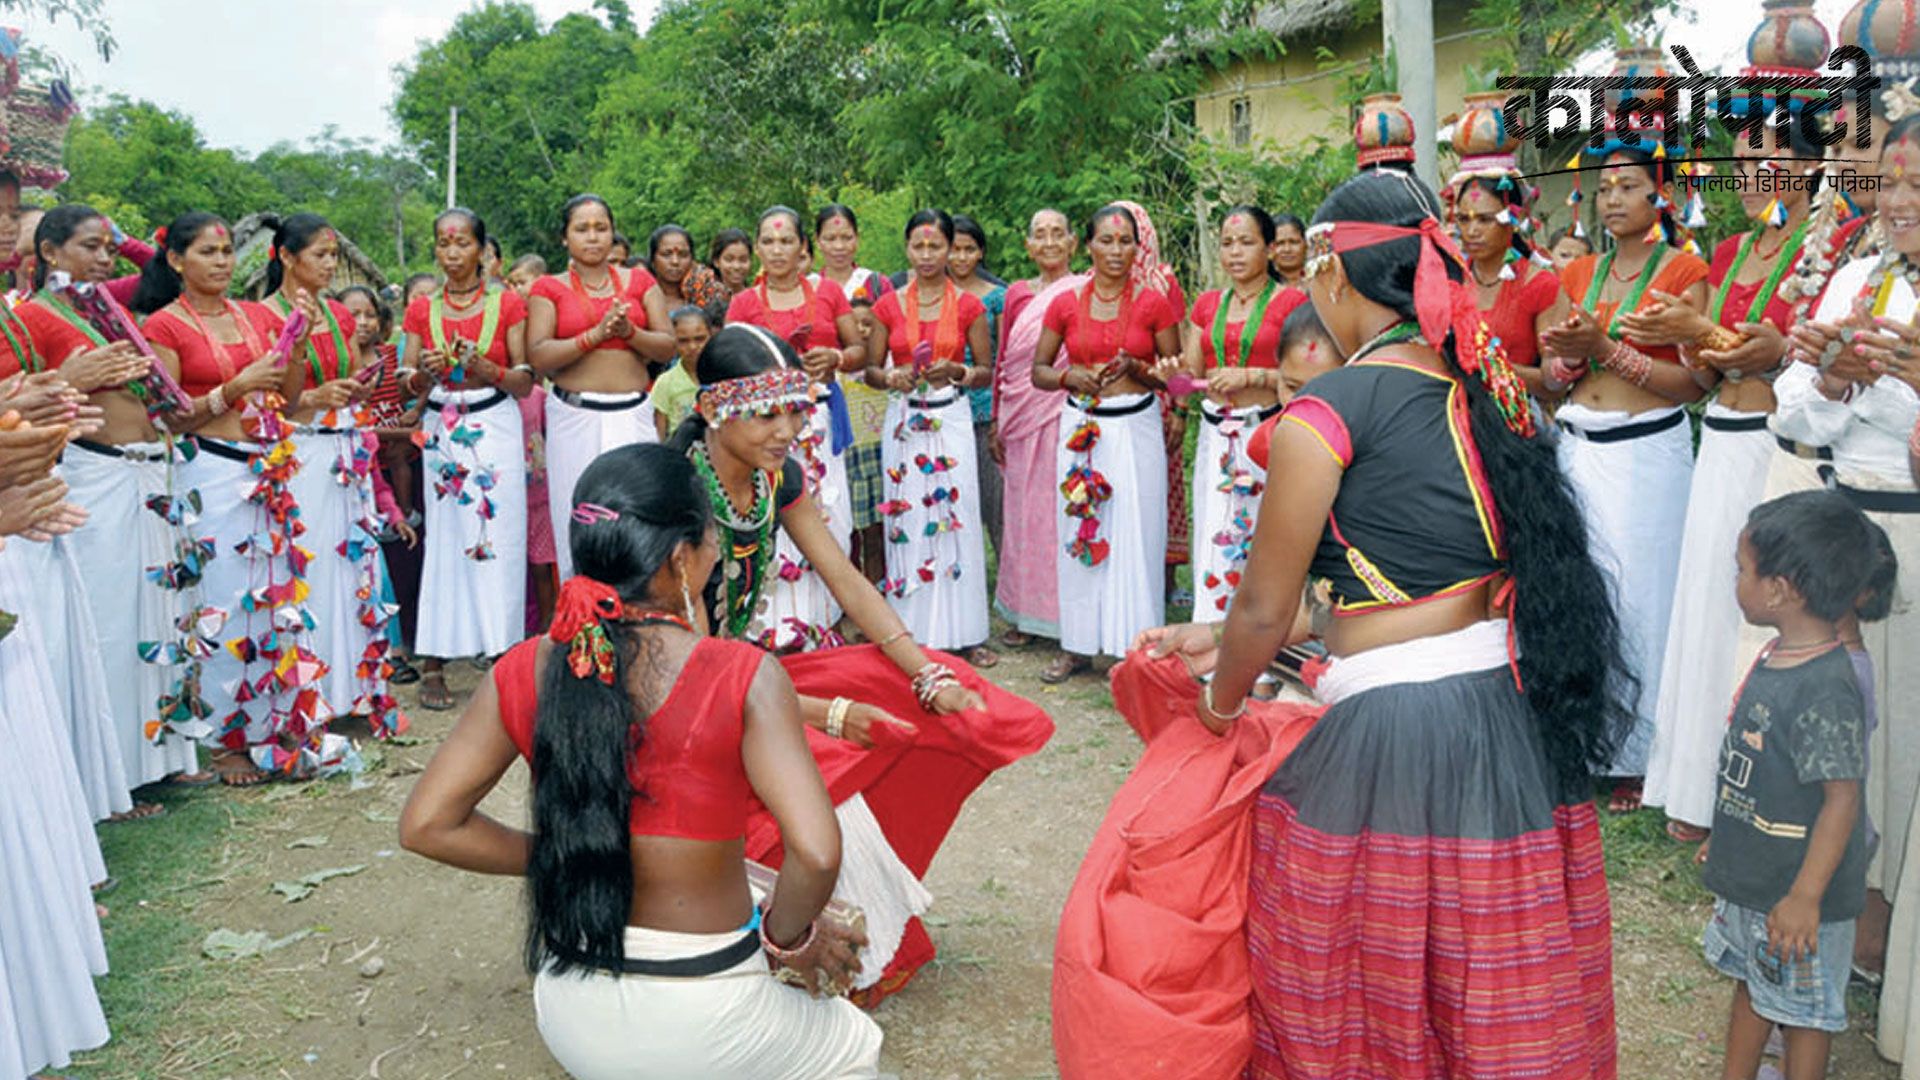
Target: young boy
{"x": 526, "y": 270}
{"x": 1306, "y": 350}
{"x": 673, "y": 391}
{"x": 1789, "y": 855}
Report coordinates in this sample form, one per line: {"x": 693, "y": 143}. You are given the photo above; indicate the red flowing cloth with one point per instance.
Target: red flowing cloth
{"x": 915, "y": 787}
{"x": 1151, "y": 975}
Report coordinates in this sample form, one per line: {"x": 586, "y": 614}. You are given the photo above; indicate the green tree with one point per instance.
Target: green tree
{"x": 526, "y": 100}
{"x": 145, "y": 165}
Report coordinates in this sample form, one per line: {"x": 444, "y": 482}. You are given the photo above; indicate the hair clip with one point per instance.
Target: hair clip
{"x": 590, "y": 513}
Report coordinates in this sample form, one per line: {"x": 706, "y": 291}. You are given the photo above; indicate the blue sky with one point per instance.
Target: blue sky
{"x": 255, "y": 72}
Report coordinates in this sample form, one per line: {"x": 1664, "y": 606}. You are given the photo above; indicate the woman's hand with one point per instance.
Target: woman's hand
{"x": 1664, "y": 321}
{"x": 407, "y": 533}
{"x": 42, "y": 399}
{"x": 436, "y": 363}
{"x": 304, "y": 303}
{"x": 1760, "y": 352}
{"x": 821, "y": 362}
{"x": 1580, "y": 336}
{"x": 1173, "y": 428}
{"x": 23, "y": 506}
{"x": 1894, "y": 350}
{"x": 104, "y": 368}
{"x": 863, "y": 720}
{"x": 61, "y": 519}
{"x": 957, "y": 699}
{"x": 1081, "y": 382}
{"x": 996, "y": 446}
{"x": 257, "y": 377}
{"x": 831, "y": 960}
{"x": 901, "y": 379}
{"x": 335, "y": 394}
{"x": 1224, "y": 382}
{"x": 1808, "y": 340}
{"x": 616, "y": 323}
{"x": 1194, "y": 643}
{"x": 1119, "y": 369}
{"x": 28, "y": 453}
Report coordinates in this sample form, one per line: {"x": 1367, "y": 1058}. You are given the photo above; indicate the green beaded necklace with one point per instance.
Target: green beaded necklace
{"x": 750, "y": 543}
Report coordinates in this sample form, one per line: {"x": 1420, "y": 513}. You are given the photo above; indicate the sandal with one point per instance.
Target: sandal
{"x": 187, "y": 780}
{"x": 1626, "y": 796}
{"x": 982, "y": 657}
{"x": 145, "y": 811}
{"x": 1066, "y": 667}
{"x": 403, "y": 674}
{"x": 1014, "y": 639}
{"x": 244, "y": 775}
{"x": 106, "y": 885}
{"x": 1681, "y": 832}
{"x": 434, "y": 694}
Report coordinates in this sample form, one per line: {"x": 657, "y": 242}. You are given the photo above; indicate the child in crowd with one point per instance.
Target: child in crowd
{"x": 673, "y": 391}
{"x": 520, "y": 277}
{"x": 1567, "y": 246}
{"x": 1306, "y": 351}
{"x": 1788, "y": 857}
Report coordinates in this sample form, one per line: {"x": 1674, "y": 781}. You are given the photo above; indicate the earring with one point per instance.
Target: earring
{"x": 686, "y": 601}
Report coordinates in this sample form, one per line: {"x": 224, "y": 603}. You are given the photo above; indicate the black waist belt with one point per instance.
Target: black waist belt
{"x": 1267, "y": 413}
{"x": 934, "y": 403}
{"x": 575, "y": 399}
{"x": 327, "y": 431}
{"x": 1146, "y": 402}
{"x": 686, "y": 967}
{"x": 1628, "y": 431}
{"x": 1881, "y": 502}
{"x": 225, "y": 450}
{"x": 482, "y": 405}
{"x": 108, "y": 450}
{"x": 1802, "y": 450}
{"x": 1731, "y": 423}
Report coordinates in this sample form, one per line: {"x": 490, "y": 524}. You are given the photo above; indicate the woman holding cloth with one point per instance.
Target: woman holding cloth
{"x": 814, "y": 318}
{"x": 936, "y": 541}
{"x": 595, "y": 331}
{"x": 471, "y": 341}
{"x": 1111, "y": 458}
{"x": 651, "y": 742}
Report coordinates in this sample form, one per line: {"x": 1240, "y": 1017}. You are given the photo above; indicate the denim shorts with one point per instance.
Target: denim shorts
{"x": 1808, "y": 993}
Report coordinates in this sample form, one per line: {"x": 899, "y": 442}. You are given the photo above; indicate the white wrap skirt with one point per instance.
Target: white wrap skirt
{"x": 473, "y": 588}
{"x": 800, "y": 612}
{"x": 1104, "y": 605}
{"x": 582, "y": 425}
{"x": 935, "y": 538}
{"x": 1226, "y": 499}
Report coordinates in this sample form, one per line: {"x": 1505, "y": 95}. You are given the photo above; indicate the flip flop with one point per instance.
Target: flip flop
{"x": 438, "y": 699}
{"x": 1066, "y": 667}
{"x": 140, "y": 812}
{"x": 189, "y": 781}
{"x": 404, "y": 674}
{"x": 102, "y": 888}
{"x": 982, "y": 657}
{"x": 1014, "y": 639}
{"x": 1681, "y": 832}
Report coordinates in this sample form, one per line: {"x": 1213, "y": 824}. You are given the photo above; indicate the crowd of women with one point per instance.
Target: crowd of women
{"x": 786, "y": 476}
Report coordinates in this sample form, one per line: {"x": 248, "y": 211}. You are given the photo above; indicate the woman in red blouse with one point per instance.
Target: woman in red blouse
{"x": 471, "y": 340}
{"x": 335, "y": 487}
{"x": 814, "y": 318}
{"x": 936, "y": 554}
{"x": 595, "y": 331}
{"x": 89, "y": 583}
{"x": 261, "y": 678}
{"x": 1234, "y": 349}
{"x": 1516, "y": 289}
{"x": 1113, "y": 453}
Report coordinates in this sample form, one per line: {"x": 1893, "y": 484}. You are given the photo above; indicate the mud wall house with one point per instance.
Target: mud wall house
{"x": 252, "y": 240}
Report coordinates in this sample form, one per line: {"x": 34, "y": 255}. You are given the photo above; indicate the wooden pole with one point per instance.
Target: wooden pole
{"x": 1408, "y": 25}
{"x": 453, "y": 153}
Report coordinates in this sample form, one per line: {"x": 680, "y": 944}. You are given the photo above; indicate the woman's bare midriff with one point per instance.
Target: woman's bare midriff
{"x": 605, "y": 371}
{"x": 126, "y": 419}
{"x": 1749, "y": 395}
{"x": 1604, "y": 391}
{"x": 1351, "y": 634}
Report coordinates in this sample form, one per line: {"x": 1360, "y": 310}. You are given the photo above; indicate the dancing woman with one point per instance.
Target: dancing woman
{"x": 1434, "y": 830}
{"x": 471, "y": 343}
{"x": 902, "y": 736}
{"x": 259, "y": 675}
{"x": 335, "y": 486}
{"x": 1026, "y": 436}
{"x": 1626, "y": 444}
{"x": 1112, "y": 455}
{"x": 651, "y": 743}
{"x": 595, "y": 331}
{"x": 1235, "y": 349}
{"x": 814, "y": 318}
{"x": 1736, "y": 348}
{"x": 93, "y": 600}
{"x": 936, "y": 550}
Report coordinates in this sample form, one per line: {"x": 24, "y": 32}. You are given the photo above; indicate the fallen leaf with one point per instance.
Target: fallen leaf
{"x": 225, "y": 944}
{"x": 307, "y": 842}
{"x": 303, "y": 887}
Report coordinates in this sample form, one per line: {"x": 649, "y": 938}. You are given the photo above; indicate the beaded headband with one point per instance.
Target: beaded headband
{"x": 779, "y": 390}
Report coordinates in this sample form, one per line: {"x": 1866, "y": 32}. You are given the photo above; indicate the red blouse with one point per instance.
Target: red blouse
{"x": 1740, "y": 296}
{"x": 1097, "y": 341}
{"x": 17, "y": 334}
{"x": 574, "y": 314}
{"x": 689, "y": 780}
{"x": 513, "y": 310}
{"x": 332, "y": 365}
{"x": 829, "y": 303}
{"x": 900, "y": 344}
{"x": 1515, "y": 307}
{"x": 1264, "y": 350}
{"x": 205, "y": 364}
{"x": 56, "y": 339}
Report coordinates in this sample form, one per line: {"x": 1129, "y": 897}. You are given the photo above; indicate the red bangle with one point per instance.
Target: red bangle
{"x": 787, "y": 954}
{"x": 584, "y": 342}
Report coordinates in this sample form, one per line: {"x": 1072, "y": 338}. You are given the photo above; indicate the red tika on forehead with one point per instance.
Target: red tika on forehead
{"x": 929, "y": 232}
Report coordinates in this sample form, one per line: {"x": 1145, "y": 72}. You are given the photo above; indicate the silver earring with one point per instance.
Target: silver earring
{"x": 686, "y": 601}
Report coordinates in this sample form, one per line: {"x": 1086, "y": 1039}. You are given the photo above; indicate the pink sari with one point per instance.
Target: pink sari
{"x": 1028, "y": 418}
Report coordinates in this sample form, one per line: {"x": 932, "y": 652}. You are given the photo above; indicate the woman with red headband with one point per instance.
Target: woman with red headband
{"x": 259, "y": 675}
{"x": 92, "y": 598}
{"x": 902, "y": 735}
{"x": 1627, "y": 446}
{"x": 471, "y": 341}
{"x": 1237, "y": 361}
{"x": 814, "y": 318}
{"x": 936, "y": 551}
{"x": 1112, "y": 460}
{"x": 596, "y": 331}
{"x": 1428, "y": 893}
{"x": 335, "y": 485}
{"x": 652, "y": 744}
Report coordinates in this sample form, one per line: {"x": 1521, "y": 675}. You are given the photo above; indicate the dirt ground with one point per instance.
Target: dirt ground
{"x": 412, "y": 969}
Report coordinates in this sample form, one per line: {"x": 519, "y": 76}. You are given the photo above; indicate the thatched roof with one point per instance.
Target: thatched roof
{"x": 1263, "y": 25}
{"x": 251, "y": 238}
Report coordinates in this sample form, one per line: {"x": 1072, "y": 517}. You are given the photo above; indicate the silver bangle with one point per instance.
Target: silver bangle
{"x": 1207, "y": 702}
{"x": 216, "y": 401}
{"x": 837, "y": 716}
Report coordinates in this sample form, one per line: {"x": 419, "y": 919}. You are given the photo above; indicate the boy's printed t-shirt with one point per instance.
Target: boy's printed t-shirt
{"x": 1792, "y": 729}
